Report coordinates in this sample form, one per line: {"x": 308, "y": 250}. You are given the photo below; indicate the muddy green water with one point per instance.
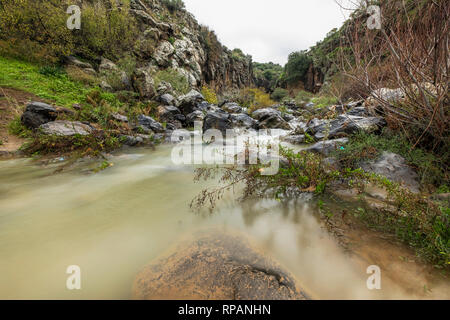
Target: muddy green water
{"x": 114, "y": 222}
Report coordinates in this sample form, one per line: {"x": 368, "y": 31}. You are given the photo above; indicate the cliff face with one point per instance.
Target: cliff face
{"x": 174, "y": 39}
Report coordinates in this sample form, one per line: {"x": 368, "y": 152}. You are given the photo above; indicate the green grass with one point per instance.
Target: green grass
{"x": 44, "y": 82}
{"x": 323, "y": 101}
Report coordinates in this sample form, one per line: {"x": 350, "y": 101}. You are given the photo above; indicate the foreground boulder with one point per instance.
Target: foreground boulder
{"x": 66, "y": 128}
{"x": 37, "y": 114}
{"x": 394, "y": 167}
{"x": 216, "y": 267}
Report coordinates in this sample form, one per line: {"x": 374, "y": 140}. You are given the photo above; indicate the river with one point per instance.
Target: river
{"x": 114, "y": 222}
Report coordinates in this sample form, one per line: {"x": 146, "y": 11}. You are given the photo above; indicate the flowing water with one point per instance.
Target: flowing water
{"x": 113, "y": 223}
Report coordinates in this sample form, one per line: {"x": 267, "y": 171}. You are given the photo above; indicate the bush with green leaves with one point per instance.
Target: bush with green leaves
{"x": 297, "y": 67}
{"x": 179, "y": 81}
{"x": 279, "y": 94}
{"x": 174, "y": 5}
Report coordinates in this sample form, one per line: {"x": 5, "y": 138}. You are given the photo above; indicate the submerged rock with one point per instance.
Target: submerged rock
{"x": 66, "y": 128}
{"x": 216, "y": 267}
{"x": 37, "y": 114}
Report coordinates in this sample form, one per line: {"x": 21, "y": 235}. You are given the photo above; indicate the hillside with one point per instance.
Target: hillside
{"x": 143, "y": 37}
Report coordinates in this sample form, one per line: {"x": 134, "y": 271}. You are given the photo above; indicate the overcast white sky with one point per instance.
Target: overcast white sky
{"x": 268, "y": 29}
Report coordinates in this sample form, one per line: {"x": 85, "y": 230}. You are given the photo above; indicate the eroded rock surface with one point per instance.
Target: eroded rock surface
{"x": 218, "y": 267}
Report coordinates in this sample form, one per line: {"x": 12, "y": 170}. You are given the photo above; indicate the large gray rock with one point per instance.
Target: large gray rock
{"x": 217, "y": 120}
{"x": 216, "y": 267}
{"x": 295, "y": 139}
{"x": 163, "y": 53}
{"x": 168, "y": 113}
{"x": 167, "y": 99}
{"x": 327, "y": 147}
{"x": 196, "y": 116}
{"x": 274, "y": 122}
{"x": 232, "y": 107}
{"x": 262, "y": 114}
{"x": 148, "y": 124}
{"x": 71, "y": 60}
{"x": 143, "y": 83}
{"x": 66, "y": 128}
{"x": 242, "y": 120}
{"x": 395, "y": 168}
{"x": 345, "y": 125}
{"x": 107, "y": 66}
{"x": 189, "y": 102}
{"x": 37, "y": 114}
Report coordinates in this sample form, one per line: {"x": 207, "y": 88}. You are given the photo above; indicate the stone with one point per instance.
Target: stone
{"x": 119, "y": 117}
{"x": 216, "y": 266}
{"x": 395, "y": 168}
{"x": 196, "y": 116}
{"x": 274, "y": 122}
{"x": 168, "y": 113}
{"x": 217, "y": 120}
{"x": 262, "y": 114}
{"x": 37, "y": 114}
{"x": 188, "y": 103}
{"x": 295, "y": 139}
{"x": 327, "y": 147}
{"x": 345, "y": 125}
{"x": 143, "y": 83}
{"x": 162, "y": 53}
{"x": 243, "y": 121}
{"x": 105, "y": 86}
{"x": 107, "y": 66}
{"x": 66, "y": 128}
{"x": 71, "y": 60}
{"x": 148, "y": 124}
{"x": 167, "y": 99}
{"x": 232, "y": 107}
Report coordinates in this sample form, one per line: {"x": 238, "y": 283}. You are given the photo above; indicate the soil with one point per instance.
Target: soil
{"x": 12, "y": 104}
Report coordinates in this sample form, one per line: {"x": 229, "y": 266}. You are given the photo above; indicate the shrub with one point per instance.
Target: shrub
{"x": 297, "y": 66}
{"x": 209, "y": 95}
{"x": 279, "y": 94}
{"x": 174, "y": 5}
{"x": 254, "y": 99}
{"x": 303, "y": 97}
{"x": 178, "y": 81}
{"x": 107, "y": 29}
